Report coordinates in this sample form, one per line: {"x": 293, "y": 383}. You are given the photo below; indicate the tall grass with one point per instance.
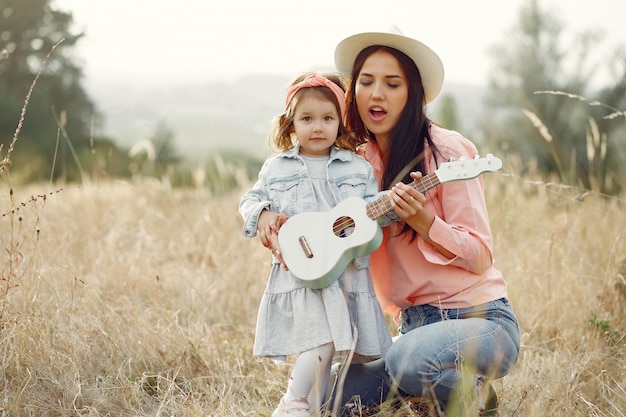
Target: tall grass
{"x": 564, "y": 255}
{"x": 132, "y": 298}
{"x": 136, "y": 299}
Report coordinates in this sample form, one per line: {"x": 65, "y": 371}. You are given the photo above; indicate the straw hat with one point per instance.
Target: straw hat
{"x": 428, "y": 62}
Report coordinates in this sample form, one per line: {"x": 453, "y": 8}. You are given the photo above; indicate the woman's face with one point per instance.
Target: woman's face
{"x": 381, "y": 92}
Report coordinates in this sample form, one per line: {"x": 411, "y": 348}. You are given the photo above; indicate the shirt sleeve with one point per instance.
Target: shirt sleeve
{"x": 252, "y": 203}
{"x": 466, "y": 234}
{"x": 461, "y": 222}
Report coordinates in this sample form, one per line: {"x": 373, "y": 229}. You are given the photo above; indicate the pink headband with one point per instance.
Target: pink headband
{"x": 318, "y": 81}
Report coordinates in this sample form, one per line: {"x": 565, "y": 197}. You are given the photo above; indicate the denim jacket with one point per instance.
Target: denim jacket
{"x": 284, "y": 186}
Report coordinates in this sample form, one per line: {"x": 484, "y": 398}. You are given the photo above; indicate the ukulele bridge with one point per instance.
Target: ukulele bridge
{"x": 305, "y": 247}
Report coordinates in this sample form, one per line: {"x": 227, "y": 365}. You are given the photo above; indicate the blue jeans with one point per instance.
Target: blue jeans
{"x": 435, "y": 346}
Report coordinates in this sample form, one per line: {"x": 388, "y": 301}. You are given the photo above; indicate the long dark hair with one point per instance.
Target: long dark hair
{"x": 410, "y": 136}
{"x": 408, "y": 139}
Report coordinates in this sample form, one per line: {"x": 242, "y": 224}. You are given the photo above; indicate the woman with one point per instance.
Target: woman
{"x": 435, "y": 269}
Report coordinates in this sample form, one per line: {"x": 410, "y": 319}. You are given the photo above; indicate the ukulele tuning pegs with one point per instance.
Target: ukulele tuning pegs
{"x": 476, "y": 156}
{"x": 463, "y": 158}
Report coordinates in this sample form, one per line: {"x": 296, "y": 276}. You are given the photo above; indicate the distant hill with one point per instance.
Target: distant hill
{"x": 206, "y": 117}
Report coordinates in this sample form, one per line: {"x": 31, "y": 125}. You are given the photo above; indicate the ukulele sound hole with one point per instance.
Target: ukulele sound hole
{"x": 343, "y": 226}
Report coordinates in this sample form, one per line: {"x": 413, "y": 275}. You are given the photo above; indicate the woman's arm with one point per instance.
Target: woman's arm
{"x": 408, "y": 203}
{"x": 460, "y": 233}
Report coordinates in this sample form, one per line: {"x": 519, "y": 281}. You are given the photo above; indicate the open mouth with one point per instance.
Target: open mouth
{"x": 377, "y": 113}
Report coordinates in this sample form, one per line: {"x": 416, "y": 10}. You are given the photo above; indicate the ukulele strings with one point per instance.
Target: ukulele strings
{"x": 376, "y": 208}
{"x": 382, "y": 205}
{"x": 379, "y": 207}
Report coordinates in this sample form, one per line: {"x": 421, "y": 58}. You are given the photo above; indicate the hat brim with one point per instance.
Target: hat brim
{"x": 428, "y": 62}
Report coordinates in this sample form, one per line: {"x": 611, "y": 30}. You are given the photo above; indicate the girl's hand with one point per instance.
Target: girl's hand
{"x": 267, "y": 229}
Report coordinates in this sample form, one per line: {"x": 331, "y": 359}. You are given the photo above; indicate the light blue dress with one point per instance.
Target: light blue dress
{"x": 293, "y": 318}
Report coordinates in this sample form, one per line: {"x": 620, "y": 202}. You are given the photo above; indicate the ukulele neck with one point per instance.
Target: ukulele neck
{"x": 382, "y": 206}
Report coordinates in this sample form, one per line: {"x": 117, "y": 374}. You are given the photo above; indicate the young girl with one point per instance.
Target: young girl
{"x": 315, "y": 170}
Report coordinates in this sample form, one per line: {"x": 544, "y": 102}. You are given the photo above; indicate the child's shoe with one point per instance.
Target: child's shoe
{"x": 293, "y": 408}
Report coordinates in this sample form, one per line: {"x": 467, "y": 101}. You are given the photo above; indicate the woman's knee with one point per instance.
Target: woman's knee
{"x": 397, "y": 356}
{"x": 407, "y": 363}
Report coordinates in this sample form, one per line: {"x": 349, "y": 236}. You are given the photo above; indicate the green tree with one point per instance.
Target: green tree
{"x": 534, "y": 106}
{"x": 448, "y": 114}
{"x": 29, "y": 31}
{"x": 164, "y": 146}
{"x": 607, "y": 143}
{"x": 156, "y": 156}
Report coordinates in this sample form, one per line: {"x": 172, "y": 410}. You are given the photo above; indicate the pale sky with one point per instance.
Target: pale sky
{"x": 164, "y": 41}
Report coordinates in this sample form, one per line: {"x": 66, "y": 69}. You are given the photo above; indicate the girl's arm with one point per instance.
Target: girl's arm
{"x": 255, "y": 208}
{"x": 250, "y": 207}
{"x": 253, "y": 202}
{"x": 268, "y": 226}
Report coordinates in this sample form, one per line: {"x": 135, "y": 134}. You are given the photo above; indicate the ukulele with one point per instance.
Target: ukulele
{"x": 318, "y": 246}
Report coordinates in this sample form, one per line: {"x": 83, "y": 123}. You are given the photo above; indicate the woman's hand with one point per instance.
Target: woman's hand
{"x": 267, "y": 229}
{"x": 408, "y": 203}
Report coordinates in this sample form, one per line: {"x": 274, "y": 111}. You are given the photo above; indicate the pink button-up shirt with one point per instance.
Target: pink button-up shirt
{"x": 413, "y": 273}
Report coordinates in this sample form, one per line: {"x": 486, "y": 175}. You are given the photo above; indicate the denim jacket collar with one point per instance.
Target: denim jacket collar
{"x": 335, "y": 153}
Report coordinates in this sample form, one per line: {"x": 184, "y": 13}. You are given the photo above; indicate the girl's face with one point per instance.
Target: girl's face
{"x": 381, "y": 93}
{"x": 316, "y": 124}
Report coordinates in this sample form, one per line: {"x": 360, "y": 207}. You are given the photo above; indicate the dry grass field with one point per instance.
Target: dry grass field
{"x": 136, "y": 299}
